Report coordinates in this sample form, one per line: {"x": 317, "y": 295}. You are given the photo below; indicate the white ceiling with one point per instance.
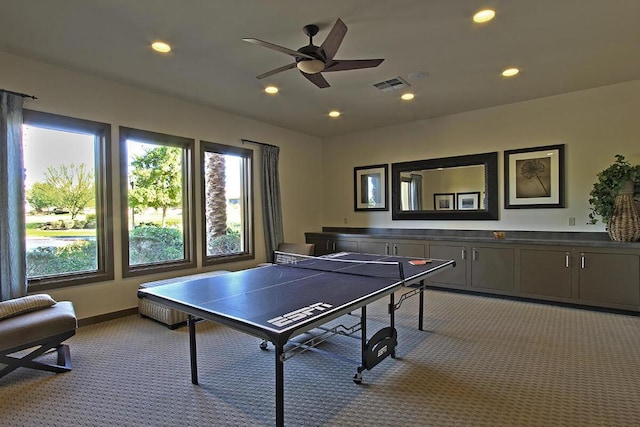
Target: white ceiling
{"x": 560, "y": 46}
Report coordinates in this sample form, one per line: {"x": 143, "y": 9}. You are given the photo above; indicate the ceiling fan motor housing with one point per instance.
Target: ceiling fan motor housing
{"x": 311, "y": 50}
{"x": 311, "y": 60}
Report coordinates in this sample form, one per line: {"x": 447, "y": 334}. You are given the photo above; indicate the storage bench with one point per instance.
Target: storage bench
{"x": 169, "y": 316}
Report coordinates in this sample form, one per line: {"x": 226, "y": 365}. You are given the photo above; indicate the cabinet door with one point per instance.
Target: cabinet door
{"x": 321, "y": 245}
{"x": 610, "y": 278}
{"x": 493, "y": 268}
{"x": 346, "y": 245}
{"x": 374, "y": 247}
{"x": 408, "y": 249}
{"x": 452, "y": 276}
{"x": 545, "y": 272}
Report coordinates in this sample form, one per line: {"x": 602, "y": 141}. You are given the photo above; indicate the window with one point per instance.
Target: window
{"x": 156, "y": 196}
{"x": 227, "y": 209}
{"x": 69, "y": 237}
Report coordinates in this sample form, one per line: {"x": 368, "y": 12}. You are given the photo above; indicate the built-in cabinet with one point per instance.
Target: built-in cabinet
{"x": 485, "y": 267}
{"x": 586, "y": 275}
{"x": 610, "y": 278}
{"x": 451, "y": 277}
{"x": 589, "y": 276}
{"x": 326, "y": 244}
{"x": 546, "y": 272}
{"x": 409, "y": 248}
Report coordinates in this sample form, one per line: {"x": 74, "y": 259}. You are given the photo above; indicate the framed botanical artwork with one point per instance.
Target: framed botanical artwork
{"x": 534, "y": 177}
{"x": 468, "y": 201}
{"x": 444, "y": 201}
{"x": 370, "y": 188}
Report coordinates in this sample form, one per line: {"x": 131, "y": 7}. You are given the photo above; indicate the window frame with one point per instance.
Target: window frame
{"x": 247, "y": 203}
{"x": 188, "y": 179}
{"x": 104, "y": 192}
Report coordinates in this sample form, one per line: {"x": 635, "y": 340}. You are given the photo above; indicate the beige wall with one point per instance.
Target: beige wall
{"x": 78, "y": 95}
{"x": 594, "y": 125}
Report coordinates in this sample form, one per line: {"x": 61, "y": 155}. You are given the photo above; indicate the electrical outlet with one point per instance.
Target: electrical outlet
{"x": 345, "y": 220}
{"x": 572, "y": 221}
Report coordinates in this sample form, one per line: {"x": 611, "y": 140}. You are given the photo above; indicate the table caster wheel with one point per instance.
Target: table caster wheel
{"x": 357, "y": 378}
{"x": 263, "y": 345}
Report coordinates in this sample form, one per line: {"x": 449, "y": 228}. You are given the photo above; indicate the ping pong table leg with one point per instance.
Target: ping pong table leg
{"x": 392, "y": 318}
{"x": 279, "y": 386}
{"x": 191, "y": 321}
{"x": 421, "y": 307}
{"x": 357, "y": 378}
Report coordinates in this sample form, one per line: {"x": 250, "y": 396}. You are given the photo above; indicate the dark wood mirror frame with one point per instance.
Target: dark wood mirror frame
{"x": 488, "y": 160}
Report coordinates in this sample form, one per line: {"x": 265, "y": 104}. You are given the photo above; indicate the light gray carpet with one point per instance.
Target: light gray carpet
{"x": 483, "y": 362}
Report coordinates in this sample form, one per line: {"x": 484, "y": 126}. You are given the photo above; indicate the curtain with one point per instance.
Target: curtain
{"x": 416, "y": 192}
{"x": 13, "y": 276}
{"x": 271, "y": 202}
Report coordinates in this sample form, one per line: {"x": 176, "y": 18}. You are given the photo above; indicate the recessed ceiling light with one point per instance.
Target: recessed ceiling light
{"x": 271, "y": 90}
{"x": 510, "y": 72}
{"x": 334, "y": 113}
{"x": 484, "y": 15}
{"x": 161, "y": 47}
{"x": 407, "y": 96}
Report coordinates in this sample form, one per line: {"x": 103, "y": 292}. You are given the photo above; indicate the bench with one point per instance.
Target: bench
{"x": 170, "y": 317}
{"x": 42, "y": 326}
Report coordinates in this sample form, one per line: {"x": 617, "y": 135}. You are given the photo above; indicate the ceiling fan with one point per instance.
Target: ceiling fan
{"x": 313, "y": 60}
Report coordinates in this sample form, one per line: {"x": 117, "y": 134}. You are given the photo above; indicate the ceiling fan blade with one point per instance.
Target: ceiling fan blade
{"x": 280, "y": 49}
{"x": 316, "y": 79}
{"x": 277, "y": 70}
{"x": 352, "y": 64}
{"x": 334, "y": 39}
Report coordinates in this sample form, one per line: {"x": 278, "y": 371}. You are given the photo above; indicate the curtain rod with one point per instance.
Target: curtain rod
{"x": 24, "y": 95}
{"x": 259, "y": 143}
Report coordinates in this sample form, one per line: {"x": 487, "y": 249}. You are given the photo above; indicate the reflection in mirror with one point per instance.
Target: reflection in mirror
{"x": 462, "y": 187}
{"x": 419, "y": 189}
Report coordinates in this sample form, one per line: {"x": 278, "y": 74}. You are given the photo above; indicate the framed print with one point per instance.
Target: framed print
{"x": 534, "y": 177}
{"x": 468, "y": 201}
{"x": 444, "y": 201}
{"x": 370, "y": 188}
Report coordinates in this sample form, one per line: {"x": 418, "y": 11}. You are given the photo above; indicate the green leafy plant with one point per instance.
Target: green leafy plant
{"x": 610, "y": 182}
{"x": 149, "y": 244}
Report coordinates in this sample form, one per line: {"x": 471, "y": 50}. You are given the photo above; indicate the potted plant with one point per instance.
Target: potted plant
{"x": 619, "y": 177}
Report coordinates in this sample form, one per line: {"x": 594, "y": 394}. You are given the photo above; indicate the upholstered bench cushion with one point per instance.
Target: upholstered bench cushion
{"x": 169, "y": 316}
{"x": 36, "y": 325}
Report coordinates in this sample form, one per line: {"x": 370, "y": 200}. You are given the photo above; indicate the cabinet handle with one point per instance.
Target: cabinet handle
{"x": 566, "y": 259}
{"x": 386, "y": 249}
{"x": 474, "y": 254}
{"x": 464, "y": 254}
{"x": 334, "y": 246}
{"x": 582, "y": 261}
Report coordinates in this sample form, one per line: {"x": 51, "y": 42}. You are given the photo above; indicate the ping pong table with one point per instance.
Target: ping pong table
{"x": 279, "y": 303}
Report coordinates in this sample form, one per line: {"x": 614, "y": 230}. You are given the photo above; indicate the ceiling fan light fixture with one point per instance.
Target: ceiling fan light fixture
{"x": 310, "y": 66}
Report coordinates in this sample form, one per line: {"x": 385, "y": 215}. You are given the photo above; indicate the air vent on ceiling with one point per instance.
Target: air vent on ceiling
{"x": 391, "y": 84}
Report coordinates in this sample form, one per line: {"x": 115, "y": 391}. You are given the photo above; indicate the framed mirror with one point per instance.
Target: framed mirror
{"x": 449, "y": 188}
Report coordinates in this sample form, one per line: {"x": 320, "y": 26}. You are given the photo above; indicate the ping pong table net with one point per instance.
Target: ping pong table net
{"x": 378, "y": 269}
